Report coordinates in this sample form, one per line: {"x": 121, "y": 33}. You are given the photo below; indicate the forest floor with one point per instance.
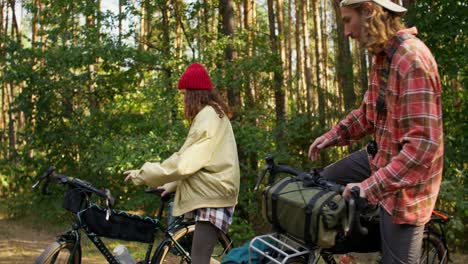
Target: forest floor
{"x": 22, "y": 241}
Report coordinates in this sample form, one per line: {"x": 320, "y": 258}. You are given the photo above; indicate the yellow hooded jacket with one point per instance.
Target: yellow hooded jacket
{"x": 204, "y": 172}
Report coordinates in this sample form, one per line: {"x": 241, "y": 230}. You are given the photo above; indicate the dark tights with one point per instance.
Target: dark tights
{"x": 204, "y": 240}
{"x": 400, "y": 243}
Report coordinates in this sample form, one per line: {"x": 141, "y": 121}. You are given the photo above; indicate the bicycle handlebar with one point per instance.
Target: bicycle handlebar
{"x": 49, "y": 174}
{"x": 312, "y": 179}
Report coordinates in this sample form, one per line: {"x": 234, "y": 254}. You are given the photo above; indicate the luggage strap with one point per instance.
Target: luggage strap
{"x": 274, "y": 204}
{"x": 308, "y": 215}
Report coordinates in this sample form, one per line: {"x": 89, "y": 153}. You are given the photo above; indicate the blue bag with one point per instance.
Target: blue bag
{"x": 240, "y": 255}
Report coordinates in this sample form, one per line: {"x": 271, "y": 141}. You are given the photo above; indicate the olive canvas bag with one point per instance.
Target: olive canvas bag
{"x": 312, "y": 214}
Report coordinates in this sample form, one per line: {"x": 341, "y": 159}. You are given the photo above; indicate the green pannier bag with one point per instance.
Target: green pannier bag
{"x": 311, "y": 214}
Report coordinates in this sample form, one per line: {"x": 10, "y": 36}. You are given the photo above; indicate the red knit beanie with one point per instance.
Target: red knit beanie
{"x": 195, "y": 77}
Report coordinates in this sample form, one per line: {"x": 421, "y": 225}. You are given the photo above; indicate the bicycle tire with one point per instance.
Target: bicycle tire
{"x": 167, "y": 253}
{"x": 433, "y": 250}
{"x": 59, "y": 252}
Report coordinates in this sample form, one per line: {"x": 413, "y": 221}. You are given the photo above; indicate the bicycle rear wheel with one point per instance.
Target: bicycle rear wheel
{"x": 60, "y": 252}
{"x": 433, "y": 250}
{"x": 167, "y": 253}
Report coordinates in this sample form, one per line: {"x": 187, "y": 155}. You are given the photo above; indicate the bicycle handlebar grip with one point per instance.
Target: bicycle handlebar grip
{"x": 46, "y": 177}
{"x": 48, "y": 172}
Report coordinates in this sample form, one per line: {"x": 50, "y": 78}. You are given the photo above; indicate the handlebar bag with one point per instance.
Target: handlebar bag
{"x": 74, "y": 200}
{"x": 311, "y": 214}
{"x": 121, "y": 225}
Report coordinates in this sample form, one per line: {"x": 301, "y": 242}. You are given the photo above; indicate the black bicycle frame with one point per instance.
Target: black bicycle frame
{"x": 74, "y": 234}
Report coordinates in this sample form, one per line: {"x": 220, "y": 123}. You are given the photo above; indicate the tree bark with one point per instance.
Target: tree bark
{"x": 121, "y": 2}
{"x": 91, "y": 23}
{"x": 323, "y": 11}
{"x": 319, "y": 62}
{"x": 228, "y": 28}
{"x": 288, "y": 48}
{"x": 299, "y": 78}
{"x": 142, "y": 34}
{"x": 307, "y": 63}
{"x": 277, "y": 81}
{"x": 344, "y": 62}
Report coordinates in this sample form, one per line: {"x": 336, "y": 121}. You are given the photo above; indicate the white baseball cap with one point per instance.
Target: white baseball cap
{"x": 387, "y": 4}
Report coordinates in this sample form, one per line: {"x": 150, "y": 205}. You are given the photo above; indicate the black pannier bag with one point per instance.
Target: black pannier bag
{"x": 311, "y": 214}
{"x": 120, "y": 225}
{"x": 74, "y": 200}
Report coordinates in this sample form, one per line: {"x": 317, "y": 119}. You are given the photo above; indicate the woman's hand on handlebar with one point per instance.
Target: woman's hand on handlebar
{"x": 347, "y": 190}
{"x": 318, "y": 144}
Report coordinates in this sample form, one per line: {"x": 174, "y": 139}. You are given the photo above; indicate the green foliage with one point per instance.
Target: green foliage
{"x": 96, "y": 105}
{"x": 445, "y": 33}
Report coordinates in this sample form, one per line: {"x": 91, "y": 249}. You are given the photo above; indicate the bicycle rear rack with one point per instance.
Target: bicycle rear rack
{"x": 279, "y": 248}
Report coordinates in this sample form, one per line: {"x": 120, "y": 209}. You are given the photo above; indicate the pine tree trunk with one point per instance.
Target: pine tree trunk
{"x": 121, "y": 2}
{"x": 300, "y": 84}
{"x": 323, "y": 12}
{"x": 178, "y": 29}
{"x": 166, "y": 49}
{"x": 93, "y": 101}
{"x": 3, "y": 114}
{"x": 142, "y": 35}
{"x": 228, "y": 27}
{"x": 344, "y": 62}
{"x": 277, "y": 81}
{"x": 319, "y": 62}
{"x": 307, "y": 63}
{"x": 281, "y": 48}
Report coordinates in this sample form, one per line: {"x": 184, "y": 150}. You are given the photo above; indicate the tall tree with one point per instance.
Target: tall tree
{"x": 324, "y": 19}
{"x": 319, "y": 61}
{"x": 278, "y": 78}
{"x": 300, "y": 84}
{"x": 344, "y": 61}
{"x": 226, "y": 8}
{"x": 307, "y": 55}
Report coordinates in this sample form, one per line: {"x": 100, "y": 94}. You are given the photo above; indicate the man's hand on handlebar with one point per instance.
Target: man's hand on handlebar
{"x": 318, "y": 144}
{"x": 347, "y": 190}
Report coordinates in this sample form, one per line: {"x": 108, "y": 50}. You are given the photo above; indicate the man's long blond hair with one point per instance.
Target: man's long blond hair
{"x": 378, "y": 27}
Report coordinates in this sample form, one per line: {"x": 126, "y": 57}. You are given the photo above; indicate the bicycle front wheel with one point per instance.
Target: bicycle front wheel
{"x": 60, "y": 252}
{"x": 168, "y": 252}
{"x": 433, "y": 250}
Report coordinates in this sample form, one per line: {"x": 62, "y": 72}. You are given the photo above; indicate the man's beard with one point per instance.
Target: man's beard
{"x": 363, "y": 38}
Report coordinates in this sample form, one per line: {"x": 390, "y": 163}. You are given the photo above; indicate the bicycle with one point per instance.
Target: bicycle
{"x": 284, "y": 248}
{"x": 103, "y": 221}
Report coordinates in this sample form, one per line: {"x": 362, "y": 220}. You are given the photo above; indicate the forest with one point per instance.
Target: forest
{"x": 90, "y": 86}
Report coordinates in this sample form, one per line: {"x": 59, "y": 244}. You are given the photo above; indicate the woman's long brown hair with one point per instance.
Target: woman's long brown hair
{"x": 196, "y": 100}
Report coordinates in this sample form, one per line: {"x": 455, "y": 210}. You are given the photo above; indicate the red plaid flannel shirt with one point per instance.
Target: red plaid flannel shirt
{"x": 407, "y": 170}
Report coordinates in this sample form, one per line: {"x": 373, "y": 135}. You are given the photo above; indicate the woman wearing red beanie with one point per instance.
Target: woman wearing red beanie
{"x": 204, "y": 173}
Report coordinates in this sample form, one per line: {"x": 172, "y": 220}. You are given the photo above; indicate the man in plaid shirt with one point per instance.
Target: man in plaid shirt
{"x": 402, "y": 110}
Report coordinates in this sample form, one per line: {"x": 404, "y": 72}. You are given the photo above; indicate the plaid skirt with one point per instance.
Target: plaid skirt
{"x": 219, "y": 217}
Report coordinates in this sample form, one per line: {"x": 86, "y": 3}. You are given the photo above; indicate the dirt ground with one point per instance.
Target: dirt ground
{"x": 22, "y": 244}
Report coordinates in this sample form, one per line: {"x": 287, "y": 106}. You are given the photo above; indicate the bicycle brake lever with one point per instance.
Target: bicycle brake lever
{"x": 110, "y": 202}
{"x": 109, "y": 198}
{"x": 44, "y": 176}
{"x": 352, "y": 211}
{"x": 108, "y": 210}
{"x": 260, "y": 178}
{"x": 358, "y": 205}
